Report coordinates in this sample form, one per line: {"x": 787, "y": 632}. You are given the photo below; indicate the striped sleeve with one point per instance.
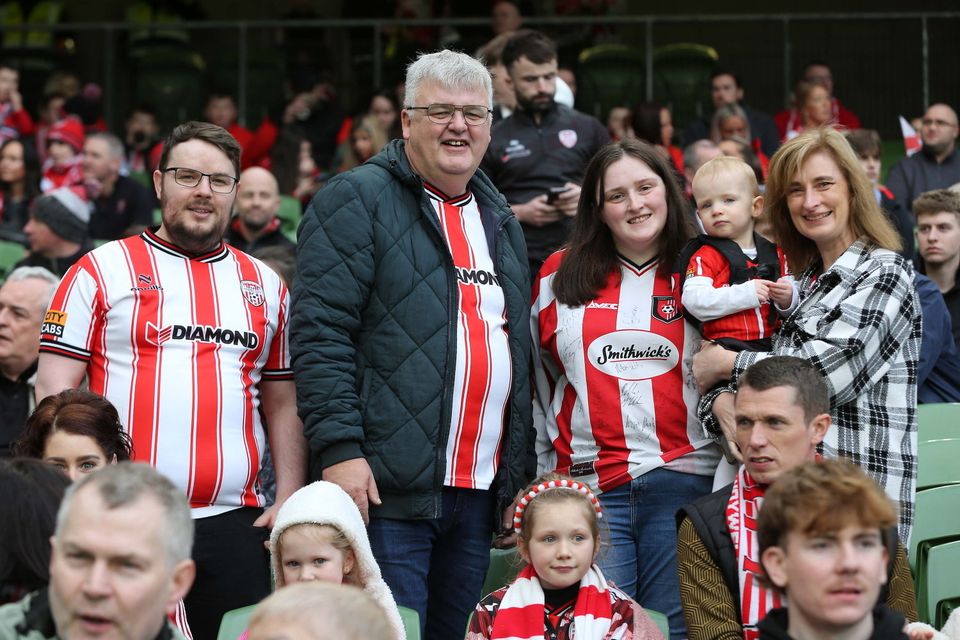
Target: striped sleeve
{"x": 74, "y": 314}
{"x": 278, "y": 360}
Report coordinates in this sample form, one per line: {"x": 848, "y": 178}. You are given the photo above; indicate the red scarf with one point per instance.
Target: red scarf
{"x": 521, "y": 612}
{"x": 743, "y": 508}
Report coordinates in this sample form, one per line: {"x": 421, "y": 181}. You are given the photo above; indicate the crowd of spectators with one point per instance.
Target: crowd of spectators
{"x": 400, "y": 368}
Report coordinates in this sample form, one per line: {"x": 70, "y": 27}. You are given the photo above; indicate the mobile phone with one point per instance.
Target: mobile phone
{"x": 554, "y": 193}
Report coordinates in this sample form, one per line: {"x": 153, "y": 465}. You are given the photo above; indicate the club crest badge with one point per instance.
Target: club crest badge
{"x": 665, "y": 309}
{"x": 252, "y": 292}
{"x": 568, "y": 138}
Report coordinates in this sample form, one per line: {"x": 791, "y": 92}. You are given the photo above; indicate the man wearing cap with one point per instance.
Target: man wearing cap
{"x": 57, "y": 231}
{"x": 64, "y": 145}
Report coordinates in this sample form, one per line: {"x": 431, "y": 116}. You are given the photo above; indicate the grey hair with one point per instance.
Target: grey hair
{"x": 691, "y": 154}
{"x": 39, "y": 273}
{"x": 125, "y": 483}
{"x": 450, "y": 70}
{"x": 723, "y": 112}
{"x": 114, "y": 145}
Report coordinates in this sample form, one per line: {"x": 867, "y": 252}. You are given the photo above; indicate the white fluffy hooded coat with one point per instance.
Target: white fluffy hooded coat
{"x": 325, "y": 503}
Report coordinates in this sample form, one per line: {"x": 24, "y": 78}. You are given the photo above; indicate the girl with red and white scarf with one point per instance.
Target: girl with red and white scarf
{"x": 561, "y": 594}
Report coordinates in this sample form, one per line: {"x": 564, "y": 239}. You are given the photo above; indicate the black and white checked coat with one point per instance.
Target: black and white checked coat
{"x": 859, "y": 323}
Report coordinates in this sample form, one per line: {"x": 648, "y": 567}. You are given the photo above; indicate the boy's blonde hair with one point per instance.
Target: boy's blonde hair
{"x": 721, "y": 165}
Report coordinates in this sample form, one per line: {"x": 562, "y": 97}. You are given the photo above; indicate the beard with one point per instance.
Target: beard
{"x": 539, "y": 103}
{"x": 191, "y": 238}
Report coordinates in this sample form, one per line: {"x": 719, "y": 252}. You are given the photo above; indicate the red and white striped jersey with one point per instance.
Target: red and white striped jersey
{"x": 616, "y": 396}
{"x": 728, "y": 311}
{"x": 484, "y": 370}
{"x": 179, "y": 345}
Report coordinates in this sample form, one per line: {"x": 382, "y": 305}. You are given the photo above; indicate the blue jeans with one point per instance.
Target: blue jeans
{"x": 437, "y": 566}
{"x": 641, "y": 557}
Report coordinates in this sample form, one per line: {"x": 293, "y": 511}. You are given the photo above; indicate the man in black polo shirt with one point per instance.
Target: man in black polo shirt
{"x": 255, "y": 224}
{"x": 537, "y": 156}
{"x": 121, "y": 206}
{"x": 23, "y": 300}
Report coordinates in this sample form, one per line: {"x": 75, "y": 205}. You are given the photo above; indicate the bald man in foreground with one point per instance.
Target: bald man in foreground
{"x": 255, "y": 224}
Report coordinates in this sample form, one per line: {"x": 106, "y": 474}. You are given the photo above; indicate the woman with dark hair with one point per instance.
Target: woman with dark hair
{"x": 858, "y": 320}
{"x": 76, "y": 431}
{"x": 385, "y": 108}
{"x": 30, "y": 494}
{"x": 653, "y": 124}
{"x": 19, "y": 185}
{"x": 616, "y": 400}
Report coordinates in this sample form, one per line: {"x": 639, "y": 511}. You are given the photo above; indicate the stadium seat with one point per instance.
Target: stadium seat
{"x": 939, "y": 582}
{"x": 937, "y": 462}
{"x": 10, "y": 254}
{"x": 234, "y": 623}
{"x": 411, "y": 623}
{"x": 938, "y": 421}
{"x": 936, "y": 519}
{"x": 505, "y": 564}
{"x": 661, "y": 620}
{"x": 609, "y": 75}
{"x": 681, "y": 80}
{"x": 289, "y": 213}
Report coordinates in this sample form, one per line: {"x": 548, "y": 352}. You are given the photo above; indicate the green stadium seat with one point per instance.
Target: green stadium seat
{"x": 936, "y": 518}
{"x": 938, "y": 421}
{"x": 937, "y": 462}
{"x": 234, "y": 623}
{"x": 411, "y": 623}
{"x": 505, "y": 564}
{"x": 10, "y": 254}
{"x": 661, "y": 621}
{"x": 940, "y": 582}
{"x": 681, "y": 80}
{"x": 289, "y": 213}
{"x": 609, "y": 75}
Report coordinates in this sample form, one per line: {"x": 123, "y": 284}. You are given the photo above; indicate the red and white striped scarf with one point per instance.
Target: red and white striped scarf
{"x": 521, "y": 612}
{"x": 743, "y": 508}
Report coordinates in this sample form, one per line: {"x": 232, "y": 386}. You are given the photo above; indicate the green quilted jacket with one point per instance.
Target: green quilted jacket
{"x": 373, "y": 332}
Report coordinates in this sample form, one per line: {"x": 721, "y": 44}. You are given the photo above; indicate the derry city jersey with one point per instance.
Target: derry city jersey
{"x": 179, "y": 345}
{"x": 616, "y": 396}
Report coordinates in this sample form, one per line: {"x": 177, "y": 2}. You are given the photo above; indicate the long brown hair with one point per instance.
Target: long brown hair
{"x": 591, "y": 253}
{"x": 866, "y": 219}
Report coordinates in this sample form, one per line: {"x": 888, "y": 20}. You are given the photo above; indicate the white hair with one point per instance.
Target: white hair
{"x": 450, "y": 70}
{"x": 38, "y": 273}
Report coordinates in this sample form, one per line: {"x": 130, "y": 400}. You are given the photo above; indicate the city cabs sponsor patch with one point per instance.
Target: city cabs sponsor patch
{"x": 633, "y": 354}
{"x": 53, "y": 323}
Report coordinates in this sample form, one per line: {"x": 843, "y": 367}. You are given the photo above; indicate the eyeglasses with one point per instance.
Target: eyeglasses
{"x": 219, "y": 182}
{"x": 473, "y": 114}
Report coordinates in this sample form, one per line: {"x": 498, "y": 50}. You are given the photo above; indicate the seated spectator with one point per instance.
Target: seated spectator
{"x": 937, "y": 165}
{"x": 866, "y": 144}
{"x": 321, "y": 520}
{"x": 730, "y": 121}
{"x": 782, "y": 414}
{"x": 57, "y": 231}
{"x": 49, "y": 112}
{"x": 938, "y": 371}
{"x": 19, "y": 185}
{"x": 30, "y": 494}
{"x": 15, "y": 121}
{"x": 618, "y": 123}
{"x": 75, "y": 431}
{"x": 727, "y": 88}
{"x": 121, "y": 206}
{"x": 695, "y": 155}
{"x": 120, "y": 561}
{"x": 24, "y": 297}
{"x": 221, "y": 110}
{"x": 64, "y": 148}
{"x": 383, "y": 106}
{"x": 316, "y": 114}
{"x": 505, "y": 16}
{"x": 812, "y": 104}
{"x": 824, "y": 533}
{"x": 367, "y": 138}
{"x": 255, "y": 223}
{"x": 319, "y": 611}
{"x": 938, "y": 233}
{"x": 819, "y": 73}
{"x": 653, "y": 124}
{"x": 141, "y": 135}
{"x": 504, "y": 97}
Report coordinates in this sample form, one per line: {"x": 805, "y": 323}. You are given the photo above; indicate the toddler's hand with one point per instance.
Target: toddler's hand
{"x": 763, "y": 290}
{"x": 781, "y": 292}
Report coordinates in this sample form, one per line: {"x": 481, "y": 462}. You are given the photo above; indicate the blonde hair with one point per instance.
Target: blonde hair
{"x": 323, "y": 533}
{"x": 322, "y": 610}
{"x": 378, "y": 140}
{"x": 728, "y": 165}
{"x": 866, "y": 218}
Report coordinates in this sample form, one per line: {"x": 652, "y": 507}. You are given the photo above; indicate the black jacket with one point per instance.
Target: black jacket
{"x": 887, "y": 625}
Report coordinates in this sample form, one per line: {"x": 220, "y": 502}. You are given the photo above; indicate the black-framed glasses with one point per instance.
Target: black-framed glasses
{"x": 219, "y": 182}
{"x": 473, "y": 114}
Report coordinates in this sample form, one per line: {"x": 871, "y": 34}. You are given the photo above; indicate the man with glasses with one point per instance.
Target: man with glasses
{"x": 936, "y": 166}
{"x": 411, "y": 344}
{"x": 187, "y": 337}
{"x": 538, "y": 155}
